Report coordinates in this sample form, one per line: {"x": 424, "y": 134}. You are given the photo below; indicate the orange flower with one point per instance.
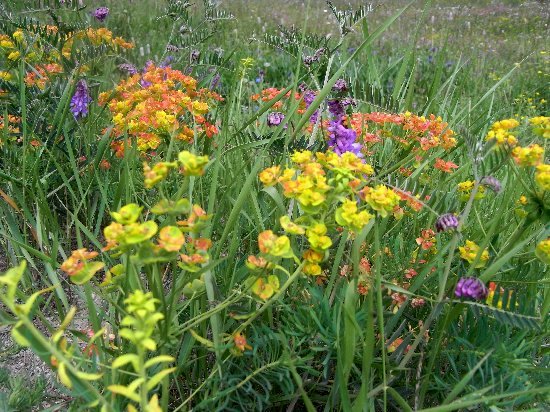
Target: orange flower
{"x": 240, "y": 342}
{"x": 445, "y": 166}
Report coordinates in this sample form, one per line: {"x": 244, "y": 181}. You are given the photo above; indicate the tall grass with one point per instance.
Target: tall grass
{"x": 350, "y": 339}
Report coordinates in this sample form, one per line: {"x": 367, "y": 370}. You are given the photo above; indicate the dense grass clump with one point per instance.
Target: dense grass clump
{"x": 313, "y": 206}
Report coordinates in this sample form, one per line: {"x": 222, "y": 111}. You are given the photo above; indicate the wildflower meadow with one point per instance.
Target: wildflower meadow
{"x": 285, "y": 205}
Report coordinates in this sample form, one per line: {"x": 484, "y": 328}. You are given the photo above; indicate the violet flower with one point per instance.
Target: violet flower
{"x": 275, "y": 118}
{"x": 471, "y": 288}
{"x": 445, "y": 222}
{"x": 492, "y": 183}
{"x": 80, "y": 100}
{"x": 340, "y": 86}
{"x": 101, "y": 13}
{"x": 342, "y": 139}
{"x": 309, "y": 97}
{"x": 128, "y": 68}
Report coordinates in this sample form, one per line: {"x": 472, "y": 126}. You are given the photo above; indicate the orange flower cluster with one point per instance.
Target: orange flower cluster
{"x": 430, "y": 132}
{"x": 97, "y": 37}
{"x": 270, "y": 93}
{"x": 154, "y": 105}
{"x": 13, "y": 128}
{"x": 79, "y": 267}
{"x": 42, "y": 74}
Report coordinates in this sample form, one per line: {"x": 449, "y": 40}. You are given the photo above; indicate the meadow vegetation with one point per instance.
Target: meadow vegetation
{"x": 274, "y": 205}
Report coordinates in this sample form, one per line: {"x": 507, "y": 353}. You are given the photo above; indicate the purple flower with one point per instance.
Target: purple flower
{"x": 471, "y": 288}
{"x": 342, "y": 139}
{"x": 128, "y": 68}
{"x": 336, "y": 109}
{"x": 195, "y": 54}
{"x": 260, "y": 77}
{"x": 80, "y": 100}
{"x": 101, "y": 13}
{"x": 166, "y": 62}
{"x": 492, "y": 183}
{"x": 309, "y": 97}
{"x": 309, "y": 60}
{"x": 340, "y": 86}
{"x": 445, "y": 222}
{"x": 275, "y": 118}
{"x": 215, "y": 81}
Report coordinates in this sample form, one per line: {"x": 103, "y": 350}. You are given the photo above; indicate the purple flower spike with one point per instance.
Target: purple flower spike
{"x": 471, "y": 288}
{"x": 80, "y": 100}
{"x": 492, "y": 183}
{"x": 342, "y": 139}
{"x": 128, "y": 68}
{"x": 101, "y": 13}
{"x": 309, "y": 97}
{"x": 340, "y": 86}
{"x": 336, "y": 109}
{"x": 445, "y": 222}
{"x": 275, "y": 118}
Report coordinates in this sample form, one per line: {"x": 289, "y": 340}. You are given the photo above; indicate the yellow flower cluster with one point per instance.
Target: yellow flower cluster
{"x": 542, "y": 176}
{"x": 543, "y": 251}
{"x": 470, "y": 250}
{"x": 381, "y": 198}
{"x": 78, "y": 267}
{"x": 500, "y": 132}
{"x": 189, "y": 163}
{"x": 541, "y": 126}
{"x": 332, "y": 192}
{"x": 151, "y": 106}
{"x": 465, "y": 189}
{"x": 96, "y": 37}
{"x": 528, "y": 156}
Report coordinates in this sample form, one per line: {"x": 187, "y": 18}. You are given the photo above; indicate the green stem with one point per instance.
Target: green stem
{"x": 214, "y": 319}
{"x": 143, "y": 375}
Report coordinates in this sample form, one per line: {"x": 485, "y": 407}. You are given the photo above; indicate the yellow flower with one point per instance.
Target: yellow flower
{"x": 264, "y": 289}
{"x": 6, "y": 44}
{"x": 291, "y": 227}
{"x": 14, "y": 55}
{"x": 347, "y": 216}
{"x": 198, "y": 108}
{"x": 466, "y": 187}
{"x": 313, "y": 256}
{"x": 543, "y": 251}
{"x": 542, "y": 176}
{"x": 469, "y": 252}
{"x": 505, "y": 124}
{"x": 541, "y": 125}
{"x": 157, "y": 174}
{"x": 311, "y": 198}
{"x": 192, "y": 165}
{"x": 6, "y": 76}
{"x": 274, "y": 245}
{"x": 78, "y": 268}
{"x": 127, "y": 214}
{"x": 528, "y": 156}
{"x": 270, "y": 175}
{"x": 381, "y": 198}
{"x": 316, "y": 236}
{"x": 171, "y": 239}
{"x": 312, "y": 269}
{"x": 18, "y": 35}
{"x": 500, "y": 132}
{"x": 301, "y": 157}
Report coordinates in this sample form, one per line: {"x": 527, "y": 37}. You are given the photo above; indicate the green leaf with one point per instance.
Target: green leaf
{"x": 459, "y": 387}
{"x": 155, "y": 380}
{"x": 158, "y": 359}
{"x": 124, "y": 391}
{"x": 125, "y": 359}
